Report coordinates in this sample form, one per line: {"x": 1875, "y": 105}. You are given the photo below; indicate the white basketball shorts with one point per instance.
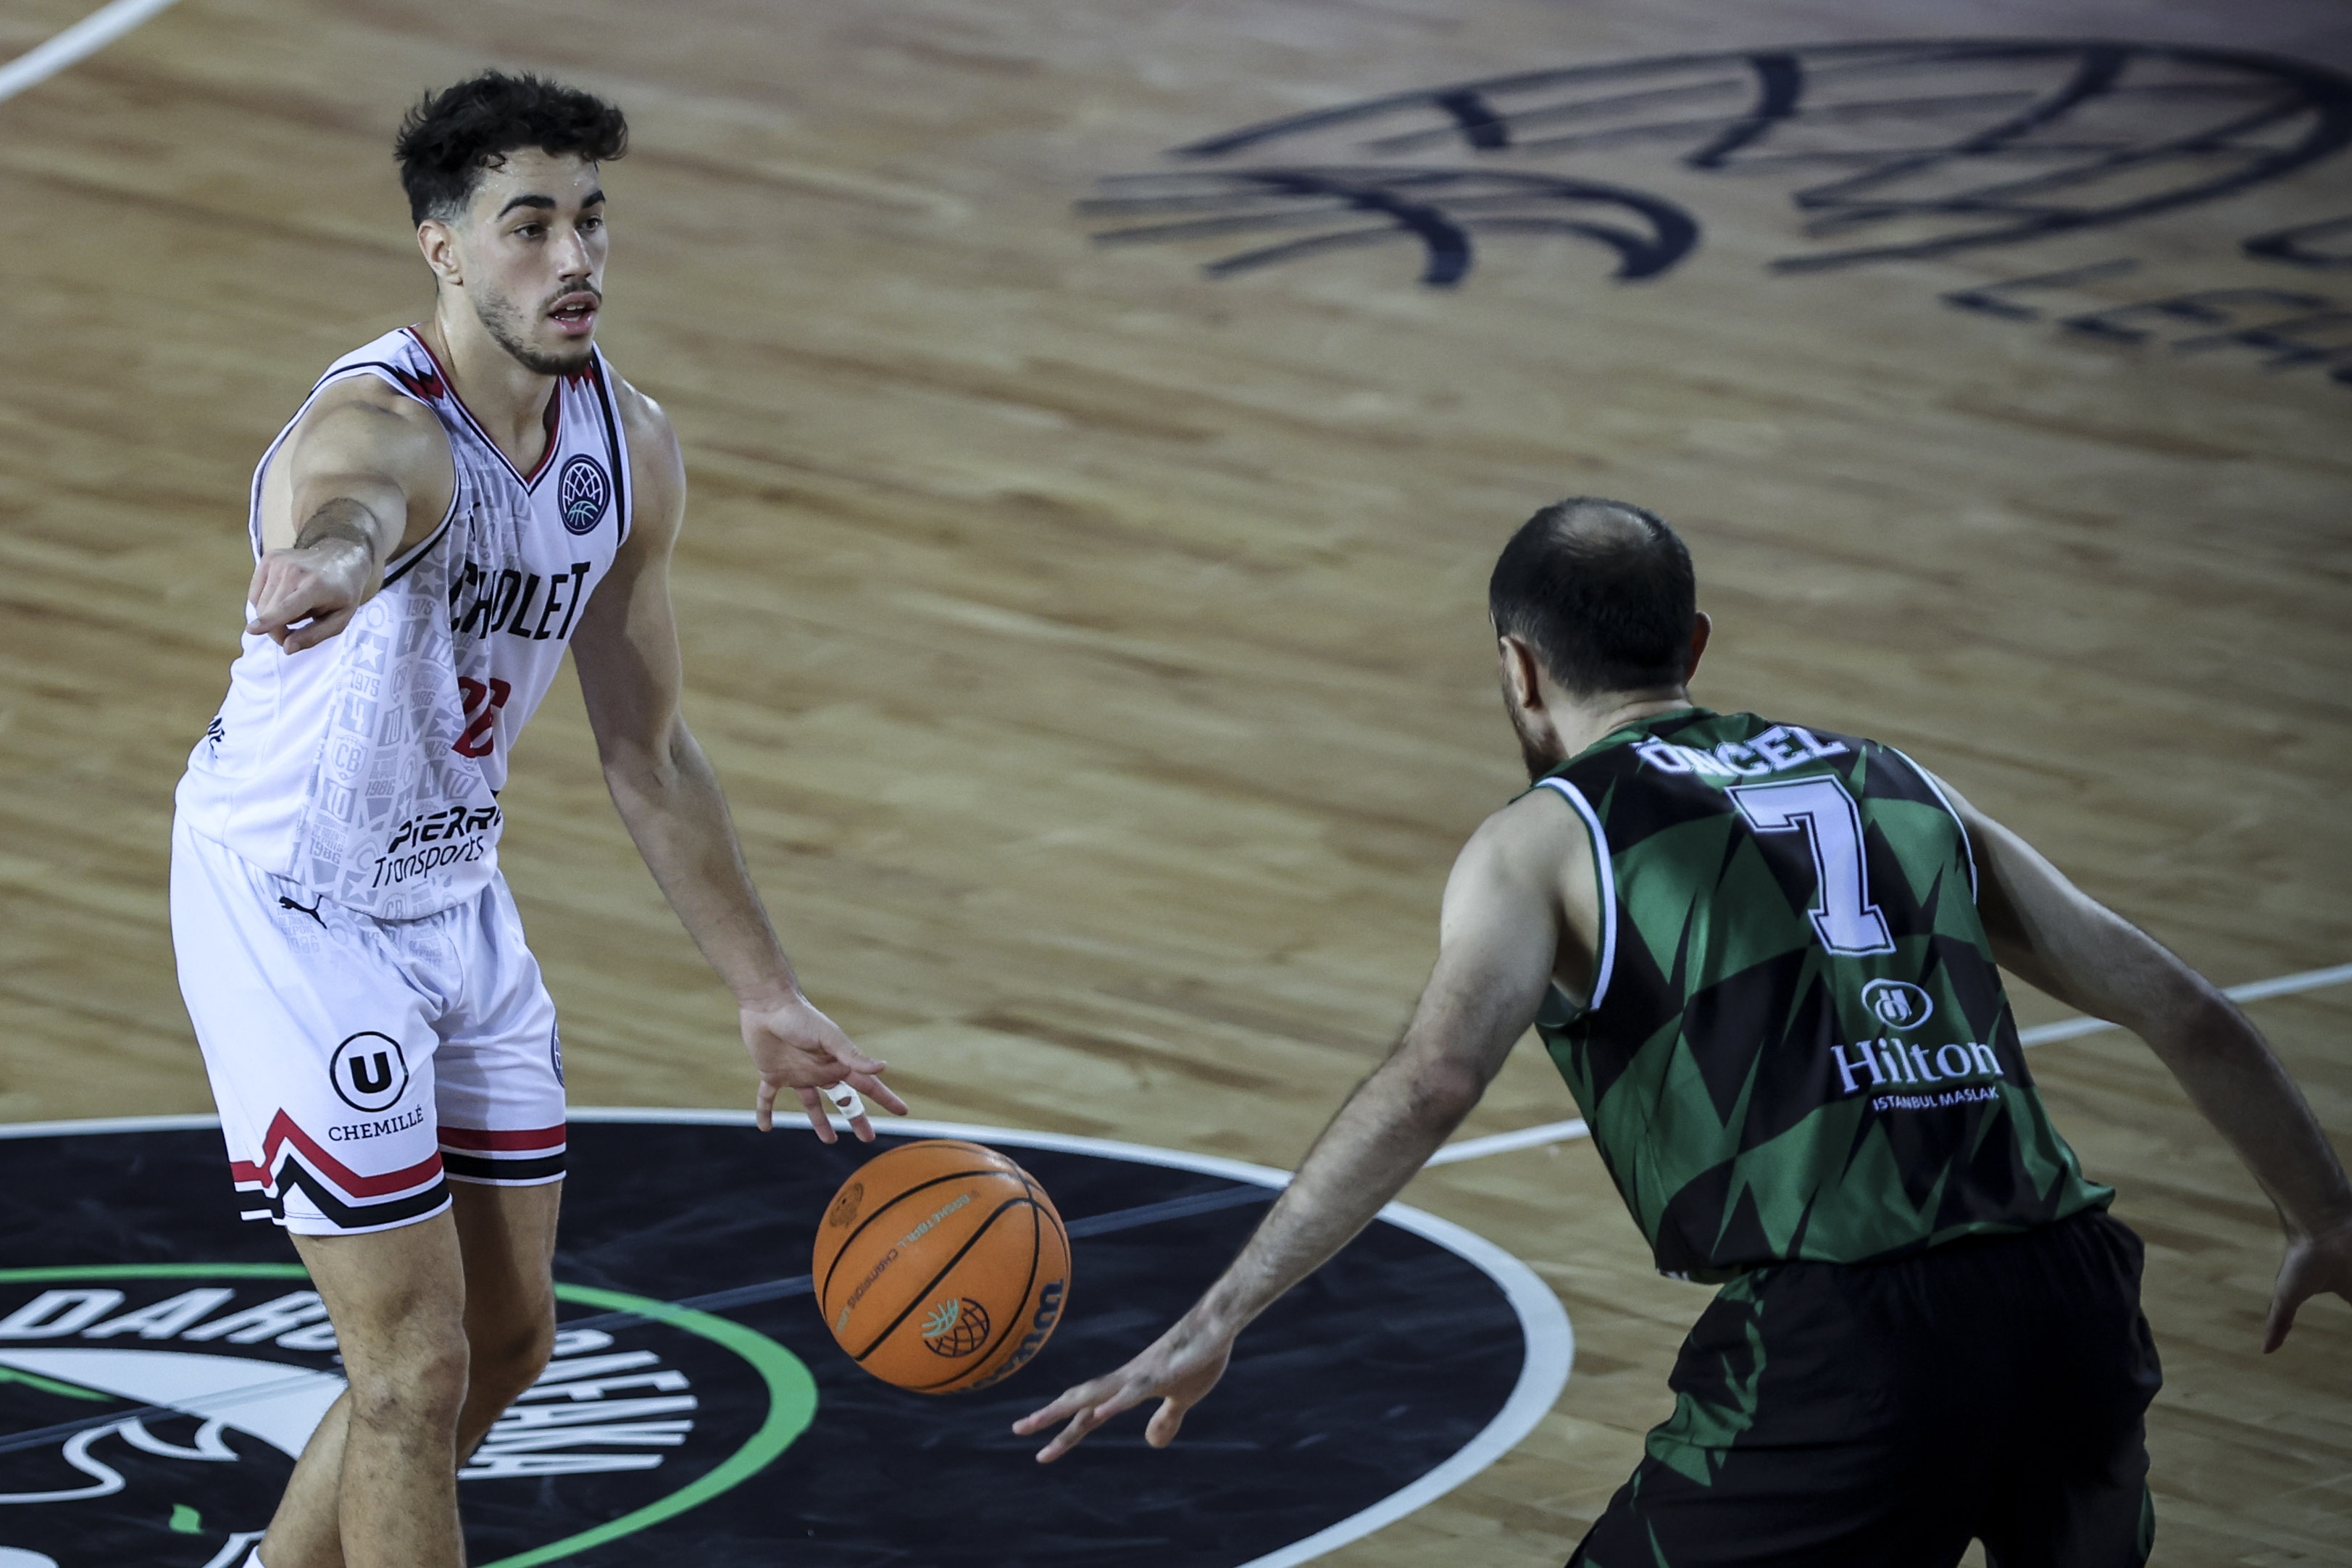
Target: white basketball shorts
{"x": 361, "y": 1065}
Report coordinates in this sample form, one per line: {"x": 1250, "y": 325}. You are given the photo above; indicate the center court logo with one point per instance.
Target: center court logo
{"x": 151, "y": 1413}
{"x": 1897, "y": 1003}
{"x": 1896, "y": 151}
{"x": 583, "y": 492}
{"x": 369, "y": 1073}
{"x": 656, "y": 1431}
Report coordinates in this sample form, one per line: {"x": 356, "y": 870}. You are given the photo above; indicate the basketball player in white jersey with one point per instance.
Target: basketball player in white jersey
{"x": 457, "y": 504}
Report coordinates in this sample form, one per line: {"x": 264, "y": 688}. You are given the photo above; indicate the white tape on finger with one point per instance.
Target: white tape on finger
{"x": 844, "y": 1101}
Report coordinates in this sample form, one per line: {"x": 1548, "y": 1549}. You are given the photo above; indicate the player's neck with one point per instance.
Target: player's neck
{"x": 1582, "y": 723}
{"x": 505, "y": 398}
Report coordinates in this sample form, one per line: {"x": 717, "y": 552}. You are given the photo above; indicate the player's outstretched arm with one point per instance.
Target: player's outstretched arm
{"x": 668, "y": 797}
{"x": 2053, "y": 934}
{"x": 368, "y": 473}
{"x": 1501, "y": 940}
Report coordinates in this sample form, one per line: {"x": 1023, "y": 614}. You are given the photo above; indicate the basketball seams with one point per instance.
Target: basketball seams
{"x": 823, "y": 1293}
{"x": 918, "y": 1297}
{"x": 1017, "y": 1322}
{"x": 985, "y": 1254}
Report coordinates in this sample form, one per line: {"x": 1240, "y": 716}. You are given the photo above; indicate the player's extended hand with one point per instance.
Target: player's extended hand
{"x": 795, "y": 1047}
{"x": 321, "y": 587}
{"x": 1178, "y": 1370}
{"x": 2314, "y": 1265}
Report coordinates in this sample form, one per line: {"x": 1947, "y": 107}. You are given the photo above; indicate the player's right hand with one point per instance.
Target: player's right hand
{"x": 2314, "y": 1265}
{"x": 795, "y": 1047}
{"x": 1179, "y": 1369}
{"x": 304, "y": 596}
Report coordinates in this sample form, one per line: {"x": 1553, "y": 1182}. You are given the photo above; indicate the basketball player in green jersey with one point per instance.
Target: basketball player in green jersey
{"x": 1763, "y": 957}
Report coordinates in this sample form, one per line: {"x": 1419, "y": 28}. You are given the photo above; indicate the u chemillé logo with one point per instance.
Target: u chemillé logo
{"x": 179, "y": 1395}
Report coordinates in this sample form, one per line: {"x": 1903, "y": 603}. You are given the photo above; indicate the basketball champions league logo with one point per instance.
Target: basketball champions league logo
{"x": 1894, "y": 150}
{"x": 583, "y": 492}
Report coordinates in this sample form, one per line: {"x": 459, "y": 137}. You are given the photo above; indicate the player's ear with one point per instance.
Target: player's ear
{"x": 1521, "y": 672}
{"x": 1701, "y": 629}
{"x": 439, "y": 241}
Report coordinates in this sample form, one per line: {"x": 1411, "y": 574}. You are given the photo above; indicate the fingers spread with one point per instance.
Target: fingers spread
{"x": 850, "y": 1059}
{"x": 1100, "y": 1401}
{"x": 819, "y": 1123}
{"x": 1070, "y": 1436}
{"x": 1071, "y": 1402}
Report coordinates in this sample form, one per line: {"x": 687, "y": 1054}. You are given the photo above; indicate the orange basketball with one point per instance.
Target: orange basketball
{"x": 942, "y": 1266}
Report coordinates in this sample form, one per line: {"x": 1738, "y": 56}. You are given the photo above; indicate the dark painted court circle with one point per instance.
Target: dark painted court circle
{"x": 670, "y": 1428}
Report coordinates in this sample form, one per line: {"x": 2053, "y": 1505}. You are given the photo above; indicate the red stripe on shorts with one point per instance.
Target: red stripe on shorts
{"x": 283, "y": 1132}
{"x": 532, "y": 1138}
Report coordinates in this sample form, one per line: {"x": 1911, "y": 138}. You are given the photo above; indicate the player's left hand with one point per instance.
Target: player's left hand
{"x": 795, "y": 1047}
{"x": 2314, "y": 1265}
{"x": 1179, "y": 1369}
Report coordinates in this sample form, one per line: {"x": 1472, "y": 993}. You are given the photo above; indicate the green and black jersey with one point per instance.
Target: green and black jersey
{"x": 1798, "y": 1045}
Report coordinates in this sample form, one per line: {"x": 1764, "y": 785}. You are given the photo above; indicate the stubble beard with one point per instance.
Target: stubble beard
{"x": 506, "y": 326}
{"x": 1538, "y": 760}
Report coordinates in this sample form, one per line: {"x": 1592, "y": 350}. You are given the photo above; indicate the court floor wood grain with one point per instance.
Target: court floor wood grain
{"x": 1092, "y": 648}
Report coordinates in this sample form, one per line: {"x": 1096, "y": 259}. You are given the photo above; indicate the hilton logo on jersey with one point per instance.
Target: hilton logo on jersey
{"x": 583, "y": 492}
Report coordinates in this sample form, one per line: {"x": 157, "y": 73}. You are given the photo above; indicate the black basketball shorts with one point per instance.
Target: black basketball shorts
{"x": 1885, "y": 1414}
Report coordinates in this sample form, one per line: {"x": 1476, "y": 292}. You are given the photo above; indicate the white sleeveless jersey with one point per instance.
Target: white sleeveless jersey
{"x": 367, "y": 769}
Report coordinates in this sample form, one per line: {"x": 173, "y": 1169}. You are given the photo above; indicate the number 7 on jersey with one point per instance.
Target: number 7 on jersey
{"x": 1843, "y": 917}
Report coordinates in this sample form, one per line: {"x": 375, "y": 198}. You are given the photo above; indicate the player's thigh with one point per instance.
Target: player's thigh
{"x": 1801, "y": 1437}
{"x": 498, "y": 1075}
{"x": 397, "y": 1298}
{"x": 319, "y": 1046}
{"x": 506, "y": 1236}
{"x": 2073, "y": 1492}
{"x": 500, "y": 1097}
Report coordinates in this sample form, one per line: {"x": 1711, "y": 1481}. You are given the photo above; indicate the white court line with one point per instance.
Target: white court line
{"x": 2073, "y": 1028}
{"x": 78, "y": 42}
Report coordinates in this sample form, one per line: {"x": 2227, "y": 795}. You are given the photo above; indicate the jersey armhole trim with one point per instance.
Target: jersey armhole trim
{"x": 398, "y": 567}
{"x": 1606, "y": 874}
{"x": 614, "y": 438}
{"x": 1968, "y": 846}
{"x": 389, "y": 375}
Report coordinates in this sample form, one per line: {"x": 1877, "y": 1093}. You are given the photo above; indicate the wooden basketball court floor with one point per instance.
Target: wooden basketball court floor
{"x": 1093, "y": 647}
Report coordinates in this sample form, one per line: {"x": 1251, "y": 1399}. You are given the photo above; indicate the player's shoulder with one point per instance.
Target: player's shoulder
{"x": 1533, "y": 833}
{"x": 644, "y": 421}
{"x": 658, "y": 510}
{"x": 363, "y": 417}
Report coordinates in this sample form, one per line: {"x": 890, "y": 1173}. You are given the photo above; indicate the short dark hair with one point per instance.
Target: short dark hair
{"x": 450, "y": 137}
{"x": 1602, "y": 591}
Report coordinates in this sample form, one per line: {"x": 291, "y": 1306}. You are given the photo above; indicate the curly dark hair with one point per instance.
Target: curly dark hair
{"x": 451, "y": 136}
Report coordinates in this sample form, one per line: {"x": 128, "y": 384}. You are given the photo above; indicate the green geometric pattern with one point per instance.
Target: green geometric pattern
{"x": 1752, "y": 1101}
